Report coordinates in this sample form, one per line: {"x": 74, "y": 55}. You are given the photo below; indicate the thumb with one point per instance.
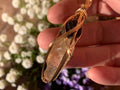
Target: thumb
{"x": 114, "y": 4}
{"x": 105, "y": 75}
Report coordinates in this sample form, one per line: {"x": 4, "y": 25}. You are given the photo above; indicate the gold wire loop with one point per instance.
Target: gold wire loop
{"x": 82, "y": 10}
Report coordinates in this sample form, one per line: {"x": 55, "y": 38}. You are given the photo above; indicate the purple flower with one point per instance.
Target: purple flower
{"x": 85, "y": 70}
{"x": 75, "y": 77}
{"x": 81, "y": 87}
{"x": 64, "y": 80}
{"x": 70, "y": 84}
{"x": 86, "y": 81}
{"x": 74, "y": 82}
{"x": 58, "y": 82}
{"x": 64, "y": 72}
{"x": 77, "y": 71}
{"x": 78, "y": 87}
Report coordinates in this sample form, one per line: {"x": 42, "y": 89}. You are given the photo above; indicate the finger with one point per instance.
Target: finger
{"x": 62, "y": 10}
{"x": 90, "y": 56}
{"x": 46, "y": 37}
{"x": 94, "y": 56}
{"x": 100, "y": 32}
{"x": 105, "y": 75}
{"x": 114, "y": 4}
{"x": 95, "y": 33}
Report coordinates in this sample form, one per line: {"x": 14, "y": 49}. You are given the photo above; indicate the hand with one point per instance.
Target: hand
{"x": 104, "y": 59}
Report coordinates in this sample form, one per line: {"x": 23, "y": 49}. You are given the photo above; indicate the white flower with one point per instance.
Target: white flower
{"x": 13, "y": 71}
{"x": 10, "y": 21}
{"x": 42, "y": 26}
{"x": 42, "y": 50}
{"x": 40, "y": 59}
{"x": 26, "y": 1}
{"x": 28, "y": 6}
{"x": 2, "y": 64}
{"x": 3, "y": 84}
{"x": 16, "y": 3}
{"x": 29, "y": 53}
{"x": 23, "y": 11}
{"x": 31, "y": 13}
{"x": 13, "y": 48}
{"x": 40, "y": 15}
{"x": 44, "y": 11}
{"x": 27, "y": 63}
{"x": 19, "y": 39}
{"x": 7, "y": 55}
{"x": 4, "y": 17}
{"x": 37, "y": 9}
{"x": 19, "y": 17}
{"x": 32, "y": 41}
{"x": 22, "y": 30}
{"x": 13, "y": 85}
{"x": 29, "y": 25}
{"x": 11, "y": 77}
{"x": 55, "y": 1}
{"x": 3, "y": 38}
{"x": 32, "y": 2}
{"x": 26, "y": 54}
{"x": 16, "y": 27}
{"x": 45, "y": 6}
{"x": 23, "y": 54}
{"x": 20, "y": 87}
{"x": 18, "y": 60}
{"x": 46, "y": 3}
{"x": 2, "y": 73}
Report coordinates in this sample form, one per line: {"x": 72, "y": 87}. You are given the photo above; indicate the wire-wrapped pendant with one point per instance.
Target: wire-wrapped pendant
{"x": 61, "y": 50}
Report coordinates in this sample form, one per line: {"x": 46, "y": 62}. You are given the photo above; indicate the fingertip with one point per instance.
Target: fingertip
{"x": 54, "y": 14}
{"x": 46, "y": 37}
{"x": 58, "y": 13}
{"x": 104, "y": 75}
{"x": 40, "y": 38}
{"x": 53, "y": 17}
{"x": 96, "y": 75}
{"x": 91, "y": 73}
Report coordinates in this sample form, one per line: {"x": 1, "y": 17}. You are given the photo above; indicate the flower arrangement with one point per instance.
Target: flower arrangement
{"x": 22, "y": 59}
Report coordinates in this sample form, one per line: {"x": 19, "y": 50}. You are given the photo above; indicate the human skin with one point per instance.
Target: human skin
{"x": 103, "y": 59}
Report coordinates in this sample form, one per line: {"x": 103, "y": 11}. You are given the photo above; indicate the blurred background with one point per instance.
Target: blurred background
{"x": 21, "y": 70}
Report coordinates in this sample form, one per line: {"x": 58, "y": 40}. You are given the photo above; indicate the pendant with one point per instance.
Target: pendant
{"x": 61, "y": 49}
